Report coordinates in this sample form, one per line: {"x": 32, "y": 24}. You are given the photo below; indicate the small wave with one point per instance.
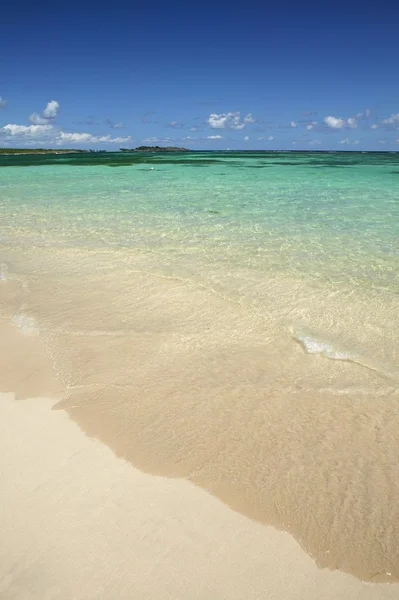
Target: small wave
{"x": 26, "y": 324}
{"x": 314, "y": 343}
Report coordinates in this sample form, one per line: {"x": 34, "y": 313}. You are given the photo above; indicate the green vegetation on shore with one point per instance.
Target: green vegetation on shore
{"x": 38, "y": 151}
{"x": 74, "y": 150}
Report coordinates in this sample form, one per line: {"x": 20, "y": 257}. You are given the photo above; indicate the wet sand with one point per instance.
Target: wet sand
{"x": 77, "y": 522}
{"x": 184, "y": 383}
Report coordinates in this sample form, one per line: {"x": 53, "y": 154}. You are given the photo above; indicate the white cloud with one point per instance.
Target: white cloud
{"x": 42, "y": 130}
{"x": 249, "y": 118}
{"x": 294, "y": 143}
{"x": 230, "y": 120}
{"x": 246, "y": 139}
{"x": 13, "y": 130}
{"x": 392, "y": 120}
{"x": 74, "y": 137}
{"x": 51, "y": 135}
{"x": 334, "y": 122}
{"x": 269, "y": 139}
{"x": 293, "y": 124}
{"x": 347, "y": 141}
{"x": 311, "y": 125}
{"x": 3, "y": 102}
{"x": 339, "y": 123}
{"x": 51, "y": 110}
{"x": 49, "y": 114}
{"x": 88, "y": 138}
{"x": 214, "y": 137}
{"x": 193, "y": 128}
{"x": 36, "y": 119}
{"x": 314, "y": 142}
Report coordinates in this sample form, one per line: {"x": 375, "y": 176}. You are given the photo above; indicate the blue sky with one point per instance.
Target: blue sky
{"x": 211, "y": 75}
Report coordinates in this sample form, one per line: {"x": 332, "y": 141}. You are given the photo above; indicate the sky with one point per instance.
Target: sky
{"x": 214, "y": 75}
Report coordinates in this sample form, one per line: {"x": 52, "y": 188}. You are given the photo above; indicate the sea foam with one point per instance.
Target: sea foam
{"x": 26, "y": 324}
{"x": 318, "y": 343}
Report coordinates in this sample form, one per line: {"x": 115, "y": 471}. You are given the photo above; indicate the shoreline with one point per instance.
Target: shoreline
{"x": 126, "y": 417}
{"x": 123, "y": 533}
{"x": 35, "y": 152}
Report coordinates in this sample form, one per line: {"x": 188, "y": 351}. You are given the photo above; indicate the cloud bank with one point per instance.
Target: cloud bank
{"x": 48, "y": 134}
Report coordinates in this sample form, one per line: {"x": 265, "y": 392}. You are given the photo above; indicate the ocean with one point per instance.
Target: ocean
{"x": 231, "y": 318}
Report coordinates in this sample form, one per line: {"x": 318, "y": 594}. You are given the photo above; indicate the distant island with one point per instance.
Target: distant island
{"x": 6, "y": 151}
{"x": 38, "y": 151}
{"x": 155, "y": 149}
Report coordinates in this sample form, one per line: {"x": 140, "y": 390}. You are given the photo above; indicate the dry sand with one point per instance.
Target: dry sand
{"x": 78, "y": 523}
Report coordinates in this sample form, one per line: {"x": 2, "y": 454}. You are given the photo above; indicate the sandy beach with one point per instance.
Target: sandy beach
{"x": 201, "y": 391}
{"x": 77, "y": 522}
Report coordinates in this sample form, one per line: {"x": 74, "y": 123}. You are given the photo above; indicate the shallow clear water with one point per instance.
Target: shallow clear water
{"x": 227, "y": 317}
{"x": 327, "y": 216}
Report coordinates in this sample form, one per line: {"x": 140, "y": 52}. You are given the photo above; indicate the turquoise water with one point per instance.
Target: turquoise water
{"x": 233, "y": 222}
{"x": 218, "y": 316}
{"x": 331, "y": 216}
